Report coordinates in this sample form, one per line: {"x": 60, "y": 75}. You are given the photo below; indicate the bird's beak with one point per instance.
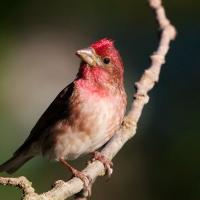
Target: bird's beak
{"x": 89, "y": 56}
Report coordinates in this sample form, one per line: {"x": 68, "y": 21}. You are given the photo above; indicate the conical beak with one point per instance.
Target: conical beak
{"x": 89, "y": 56}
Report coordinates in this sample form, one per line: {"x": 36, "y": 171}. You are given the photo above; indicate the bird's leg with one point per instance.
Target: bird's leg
{"x": 86, "y": 180}
{"x": 108, "y": 164}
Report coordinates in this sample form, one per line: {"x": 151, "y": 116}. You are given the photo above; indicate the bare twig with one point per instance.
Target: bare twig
{"x": 22, "y": 182}
{"x": 63, "y": 190}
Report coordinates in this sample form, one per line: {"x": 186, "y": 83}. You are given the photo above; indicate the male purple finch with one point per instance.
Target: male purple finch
{"x": 84, "y": 115}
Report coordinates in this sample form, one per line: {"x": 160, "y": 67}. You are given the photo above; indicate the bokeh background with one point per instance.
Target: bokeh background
{"x": 38, "y": 40}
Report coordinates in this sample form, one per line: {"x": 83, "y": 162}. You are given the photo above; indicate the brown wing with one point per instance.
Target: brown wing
{"x": 57, "y": 110}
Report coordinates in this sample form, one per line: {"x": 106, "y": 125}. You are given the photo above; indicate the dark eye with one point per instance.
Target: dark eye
{"x": 106, "y": 60}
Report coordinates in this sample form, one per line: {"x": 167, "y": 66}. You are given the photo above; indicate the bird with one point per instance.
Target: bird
{"x": 84, "y": 115}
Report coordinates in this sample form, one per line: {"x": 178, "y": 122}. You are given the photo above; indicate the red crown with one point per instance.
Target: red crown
{"x": 102, "y": 45}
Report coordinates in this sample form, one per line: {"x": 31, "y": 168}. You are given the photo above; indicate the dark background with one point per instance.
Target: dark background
{"x": 38, "y": 40}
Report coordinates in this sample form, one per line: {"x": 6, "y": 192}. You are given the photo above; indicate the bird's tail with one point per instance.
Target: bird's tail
{"x": 15, "y": 163}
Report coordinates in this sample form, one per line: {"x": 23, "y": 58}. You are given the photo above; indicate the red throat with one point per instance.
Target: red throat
{"x": 92, "y": 79}
{"x": 93, "y": 74}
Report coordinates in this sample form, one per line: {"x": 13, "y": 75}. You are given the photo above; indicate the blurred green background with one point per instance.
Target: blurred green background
{"x": 38, "y": 40}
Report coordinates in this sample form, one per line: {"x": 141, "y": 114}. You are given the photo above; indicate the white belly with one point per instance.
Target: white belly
{"x": 76, "y": 142}
{"x": 100, "y": 117}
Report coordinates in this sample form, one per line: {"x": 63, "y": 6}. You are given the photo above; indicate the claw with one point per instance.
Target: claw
{"x": 108, "y": 164}
{"x": 76, "y": 173}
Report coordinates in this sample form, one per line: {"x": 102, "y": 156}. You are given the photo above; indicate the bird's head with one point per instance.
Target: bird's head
{"x": 101, "y": 62}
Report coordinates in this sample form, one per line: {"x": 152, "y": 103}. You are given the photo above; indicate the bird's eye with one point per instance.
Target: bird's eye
{"x": 106, "y": 60}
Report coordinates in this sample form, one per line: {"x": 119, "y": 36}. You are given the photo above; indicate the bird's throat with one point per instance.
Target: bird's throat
{"x": 93, "y": 74}
{"x": 93, "y": 80}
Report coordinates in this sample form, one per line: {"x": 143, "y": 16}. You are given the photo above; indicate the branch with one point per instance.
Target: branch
{"x": 21, "y": 182}
{"x": 62, "y": 190}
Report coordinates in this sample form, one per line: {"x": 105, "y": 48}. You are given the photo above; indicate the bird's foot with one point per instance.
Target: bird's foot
{"x": 76, "y": 173}
{"x": 108, "y": 164}
{"x": 87, "y": 186}
{"x": 86, "y": 180}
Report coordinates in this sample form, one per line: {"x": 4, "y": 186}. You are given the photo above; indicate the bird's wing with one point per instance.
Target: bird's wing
{"x": 58, "y": 109}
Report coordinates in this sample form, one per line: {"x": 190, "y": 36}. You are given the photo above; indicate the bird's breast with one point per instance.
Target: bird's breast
{"x": 92, "y": 121}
